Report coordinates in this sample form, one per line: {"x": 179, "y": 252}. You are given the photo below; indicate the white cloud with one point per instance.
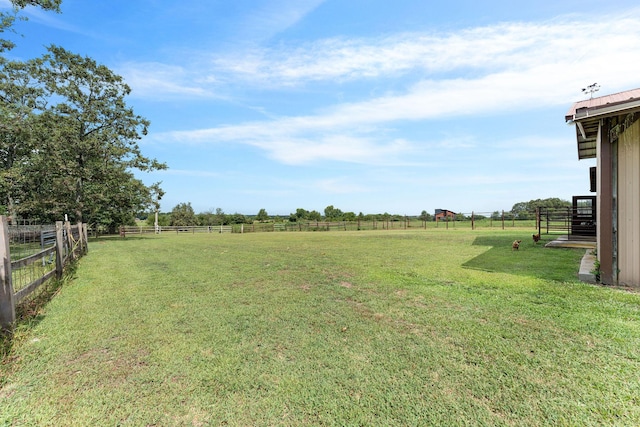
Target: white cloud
{"x": 155, "y": 80}
{"x": 558, "y": 50}
{"x": 291, "y": 144}
{"x": 273, "y": 17}
{"x": 47, "y": 18}
{"x": 511, "y": 46}
{"x": 497, "y": 70}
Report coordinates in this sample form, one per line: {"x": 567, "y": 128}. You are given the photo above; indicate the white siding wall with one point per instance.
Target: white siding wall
{"x": 629, "y": 206}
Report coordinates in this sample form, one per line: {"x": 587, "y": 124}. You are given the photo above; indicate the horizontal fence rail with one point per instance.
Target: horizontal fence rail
{"x": 31, "y": 255}
{"x": 472, "y": 220}
{"x": 576, "y": 222}
{"x": 176, "y": 229}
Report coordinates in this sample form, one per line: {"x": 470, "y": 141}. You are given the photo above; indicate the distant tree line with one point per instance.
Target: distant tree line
{"x": 184, "y": 215}
{"x": 527, "y": 210}
{"x": 519, "y": 211}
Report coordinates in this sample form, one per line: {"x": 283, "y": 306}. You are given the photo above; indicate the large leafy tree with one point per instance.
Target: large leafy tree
{"x": 183, "y": 215}
{"x": 526, "y": 210}
{"x": 262, "y": 215}
{"x": 299, "y": 215}
{"x": 20, "y": 96}
{"x": 314, "y": 216}
{"x": 68, "y": 140}
{"x": 332, "y": 214}
{"x": 87, "y": 144}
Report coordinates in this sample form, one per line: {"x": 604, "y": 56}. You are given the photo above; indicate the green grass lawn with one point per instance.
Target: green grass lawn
{"x": 421, "y": 327}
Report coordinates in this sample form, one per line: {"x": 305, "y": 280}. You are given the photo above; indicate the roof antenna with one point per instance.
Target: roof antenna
{"x": 591, "y": 89}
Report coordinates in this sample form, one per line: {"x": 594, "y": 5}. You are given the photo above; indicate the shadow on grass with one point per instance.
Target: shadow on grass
{"x": 30, "y": 311}
{"x": 532, "y": 259}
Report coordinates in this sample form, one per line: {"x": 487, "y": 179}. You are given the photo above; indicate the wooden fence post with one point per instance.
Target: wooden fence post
{"x": 67, "y": 226}
{"x": 59, "y": 250}
{"x": 80, "y": 239}
{"x": 7, "y": 301}
{"x": 85, "y": 236}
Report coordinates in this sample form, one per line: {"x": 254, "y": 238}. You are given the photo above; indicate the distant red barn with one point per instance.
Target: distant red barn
{"x": 444, "y": 214}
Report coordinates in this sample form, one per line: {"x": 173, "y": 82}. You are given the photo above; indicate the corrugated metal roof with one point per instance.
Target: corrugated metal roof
{"x": 619, "y": 98}
{"x": 586, "y": 114}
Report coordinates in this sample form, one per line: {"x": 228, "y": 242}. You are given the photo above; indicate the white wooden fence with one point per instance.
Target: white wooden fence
{"x": 176, "y": 229}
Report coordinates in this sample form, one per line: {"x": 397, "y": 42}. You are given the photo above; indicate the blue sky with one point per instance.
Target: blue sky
{"x": 371, "y": 106}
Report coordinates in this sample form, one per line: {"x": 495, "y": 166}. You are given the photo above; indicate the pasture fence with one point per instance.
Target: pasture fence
{"x": 31, "y": 255}
{"x": 578, "y": 222}
{"x": 124, "y": 230}
{"x": 472, "y": 220}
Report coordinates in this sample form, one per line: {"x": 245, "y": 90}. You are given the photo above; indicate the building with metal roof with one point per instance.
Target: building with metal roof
{"x": 608, "y": 129}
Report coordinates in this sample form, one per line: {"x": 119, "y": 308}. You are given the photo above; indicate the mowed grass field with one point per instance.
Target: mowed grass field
{"x": 418, "y": 327}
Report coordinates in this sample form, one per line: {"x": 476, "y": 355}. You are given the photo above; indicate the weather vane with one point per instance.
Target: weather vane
{"x": 591, "y": 89}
